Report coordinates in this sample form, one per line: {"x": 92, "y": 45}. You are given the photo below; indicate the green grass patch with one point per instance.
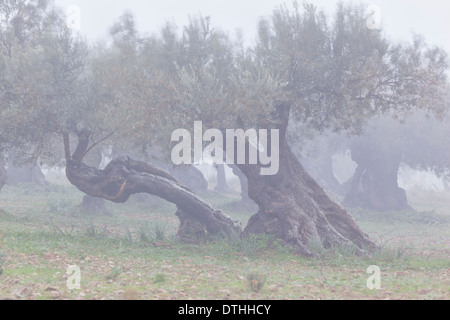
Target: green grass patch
{"x": 134, "y": 254}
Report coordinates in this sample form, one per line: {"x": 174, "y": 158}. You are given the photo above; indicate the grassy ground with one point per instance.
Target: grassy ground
{"x": 132, "y": 254}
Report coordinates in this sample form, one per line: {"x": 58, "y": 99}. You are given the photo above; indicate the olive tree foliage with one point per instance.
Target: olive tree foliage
{"x": 334, "y": 75}
{"x": 147, "y": 86}
{"x": 133, "y": 95}
{"x": 43, "y": 87}
{"x": 343, "y": 74}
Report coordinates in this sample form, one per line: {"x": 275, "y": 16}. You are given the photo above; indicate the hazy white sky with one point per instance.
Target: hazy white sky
{"x": 430, "y": 18}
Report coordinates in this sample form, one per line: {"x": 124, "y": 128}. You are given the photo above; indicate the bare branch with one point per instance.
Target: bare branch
{"x": 94, "y": 144}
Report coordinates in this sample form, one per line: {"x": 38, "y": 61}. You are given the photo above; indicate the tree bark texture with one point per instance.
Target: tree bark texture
{"x": 124, "y": 177}
{"x": 294, "y": 208}
{"x": 374, "y": 185}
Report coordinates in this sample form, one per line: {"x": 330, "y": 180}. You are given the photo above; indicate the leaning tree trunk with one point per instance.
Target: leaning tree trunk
{"x": 294, "y": 208}
{"x": 28, "y": 173}
{"x": 374, "y": 185}
{"x": 3, "y": 175}
{"x": 124, "y": 177}
{"x": 222, "y": 185}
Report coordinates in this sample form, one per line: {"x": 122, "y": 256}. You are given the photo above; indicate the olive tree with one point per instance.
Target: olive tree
{"x": 138, "y": 90}
{"x": 327, "y": 76}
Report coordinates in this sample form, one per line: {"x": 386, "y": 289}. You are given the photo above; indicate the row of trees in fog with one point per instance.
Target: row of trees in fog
{"x": 419, "y": 142}
{"x": 61, "y": 98}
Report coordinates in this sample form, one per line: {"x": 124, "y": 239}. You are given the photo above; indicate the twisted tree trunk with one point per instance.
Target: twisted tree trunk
{"x": 293, "y": 207}
{"x": 374, "y": 185}
{"x": 124, "y": 177}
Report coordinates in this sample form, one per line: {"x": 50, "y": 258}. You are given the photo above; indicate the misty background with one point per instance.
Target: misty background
{"x": 400, "y": 18}
{"x": 87, "y": 176}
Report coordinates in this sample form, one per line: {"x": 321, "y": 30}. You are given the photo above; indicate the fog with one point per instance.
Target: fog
{"x": 224, "y": 150}
{"x": 399, "y": 18}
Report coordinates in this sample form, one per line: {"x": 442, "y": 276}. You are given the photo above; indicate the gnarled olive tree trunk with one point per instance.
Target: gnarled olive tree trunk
{"x": 375, "y": 183}
{"x": 222, "y": 185}
{"x": 124, "y": 177}
{"x": 293, "y": 207}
